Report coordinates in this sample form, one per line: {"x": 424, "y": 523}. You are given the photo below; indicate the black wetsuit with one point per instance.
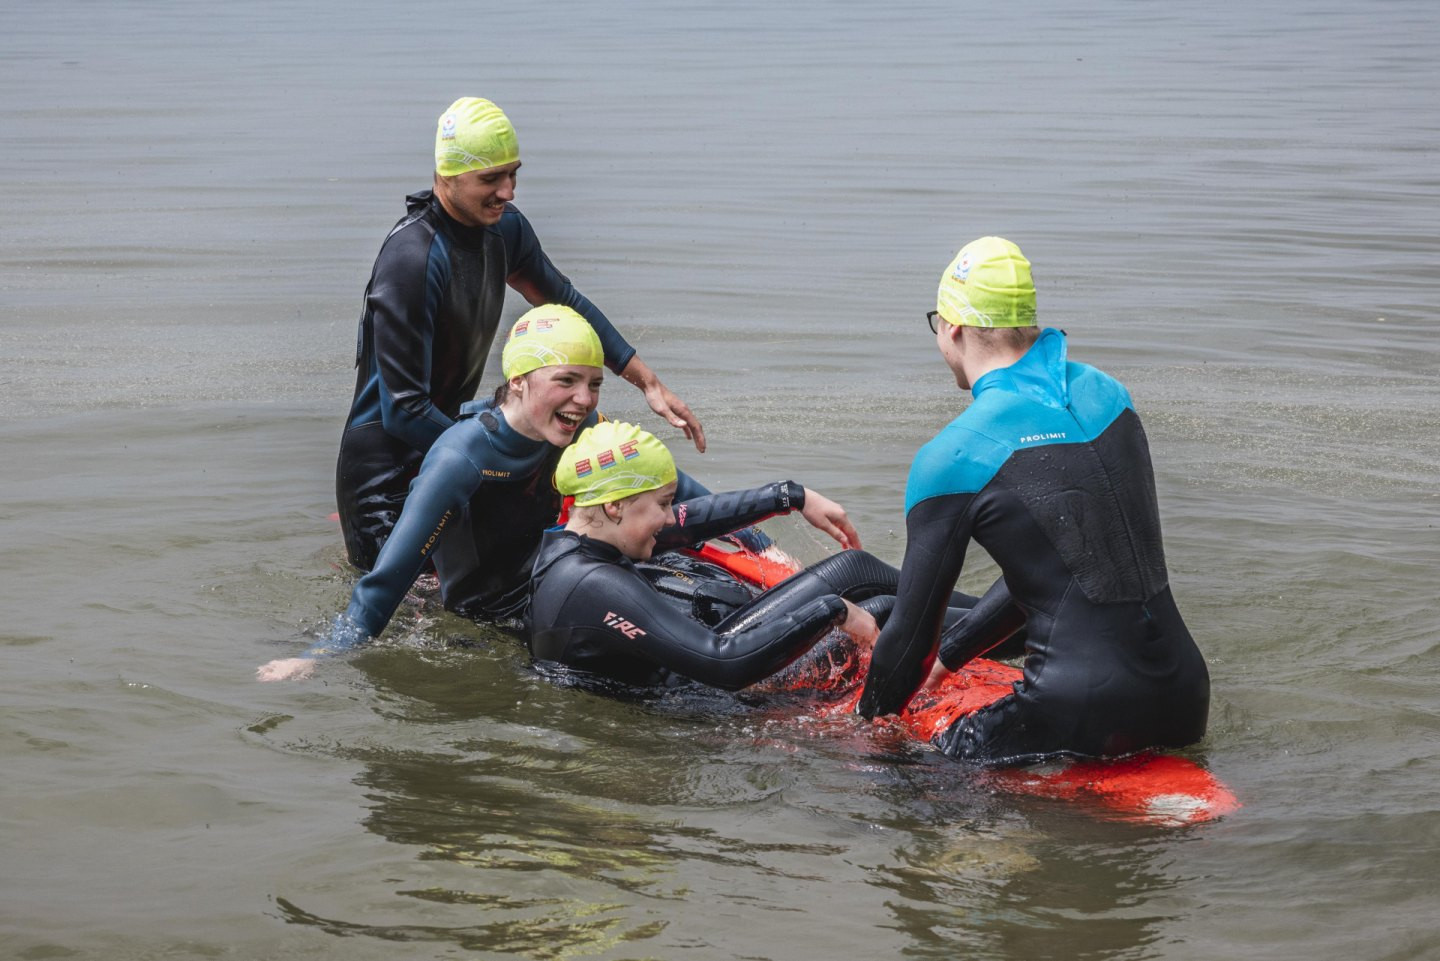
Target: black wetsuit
{"x": 430, "y": 315}
{"x": 1048, "y": 470}
{"x": 595, "y": 610}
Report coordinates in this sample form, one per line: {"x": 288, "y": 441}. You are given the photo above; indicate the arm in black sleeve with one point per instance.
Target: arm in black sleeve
{"x": 537, "y": 280}
{"x": 687, "y": 487}
{"x": 937, "y": 533}
{"x": 714, "y": 515}
{"x": 739, "y": 653}
{"x": 991, "y": 622}
{"x": 402, "y": 302}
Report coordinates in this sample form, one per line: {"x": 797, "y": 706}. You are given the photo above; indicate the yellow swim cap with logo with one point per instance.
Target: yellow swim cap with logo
{"x": 612, "y": 461}
{"x": 988, "y": 284}
{"x": 550, "y": 336}
{"x": 473, "y": 134}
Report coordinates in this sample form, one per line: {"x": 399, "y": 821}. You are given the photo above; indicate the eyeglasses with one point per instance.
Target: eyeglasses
{"x": 930, "y": 319}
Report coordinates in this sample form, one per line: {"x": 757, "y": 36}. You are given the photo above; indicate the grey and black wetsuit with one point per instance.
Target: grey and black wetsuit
{"x": 1048, "y": 470}
{"x": 430, "y": 315}
{"x": 595, "y": 610}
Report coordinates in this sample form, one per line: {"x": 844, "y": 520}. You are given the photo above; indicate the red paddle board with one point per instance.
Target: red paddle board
{"x": 1149, "y": 787}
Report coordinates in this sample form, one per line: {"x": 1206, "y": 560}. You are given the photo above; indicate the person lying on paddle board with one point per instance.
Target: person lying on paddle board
{"x": 593, "y": 607}
{"x": 1049, "y": 470}
{"x": 484, "y": 494}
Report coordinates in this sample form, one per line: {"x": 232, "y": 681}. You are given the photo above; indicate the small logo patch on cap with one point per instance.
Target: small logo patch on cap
{"x": 962, "y": 268}
{"x": 447, "y": 127}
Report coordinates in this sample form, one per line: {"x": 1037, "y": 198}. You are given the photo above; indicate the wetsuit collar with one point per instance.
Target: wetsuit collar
{"x": 504, "y": 438}
{"x": 1039, "y": 375}
{"x": 556, "y": 542}
{"x": 460, "y": 233}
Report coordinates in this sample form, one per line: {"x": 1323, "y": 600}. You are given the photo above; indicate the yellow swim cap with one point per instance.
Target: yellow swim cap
{"x": 612, "y": 461}
{"x": 473, "y": 135}
{"x": 988, "y": 284}
{"x": 550, "y": 336}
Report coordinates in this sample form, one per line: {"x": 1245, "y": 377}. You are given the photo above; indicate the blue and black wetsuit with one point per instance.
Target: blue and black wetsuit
{"x": 595, "y": 610}
{"x": 1048, "y": 470}
{"x": 430, "y": 315}
{"x": 482, "y": 498}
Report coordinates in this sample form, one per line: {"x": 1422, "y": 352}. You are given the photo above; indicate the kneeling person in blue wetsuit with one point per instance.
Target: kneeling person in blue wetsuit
{"x": 484, "y": 493}
{"x": 1048, "y": 470}
{"x": 593, "y": 607}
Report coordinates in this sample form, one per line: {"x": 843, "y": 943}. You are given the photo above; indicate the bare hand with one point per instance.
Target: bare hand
{"x": 664, "y": 402}
{"x": 286, "y": 668}
{"x": 860, "y": 625}
{"x": 828, "y": 516}
{"x": 938, "y": 673}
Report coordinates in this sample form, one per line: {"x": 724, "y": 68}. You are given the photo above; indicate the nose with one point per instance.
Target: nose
{"x": 507, "y": 189}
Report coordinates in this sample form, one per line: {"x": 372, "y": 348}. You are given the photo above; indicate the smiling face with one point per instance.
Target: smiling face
{"x": 638, "y": 519}
{"x": 550, "y": 403}
{"x": 477, "y": 198}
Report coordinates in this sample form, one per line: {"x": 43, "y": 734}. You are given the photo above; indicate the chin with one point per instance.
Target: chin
{"x": 559, "y": 437}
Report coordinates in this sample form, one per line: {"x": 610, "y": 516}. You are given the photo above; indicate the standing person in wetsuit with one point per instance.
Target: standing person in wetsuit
{"x": 430, "y": 315}
{"x": 484, "y": 492}
{"x": 592, "y": 609}
{"x": 1049, "y": 471}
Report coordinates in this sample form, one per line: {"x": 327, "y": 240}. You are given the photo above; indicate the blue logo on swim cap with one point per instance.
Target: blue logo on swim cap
{"x": 962, "y": 268}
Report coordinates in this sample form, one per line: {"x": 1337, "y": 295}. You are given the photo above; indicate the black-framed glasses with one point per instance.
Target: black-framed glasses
{"x": 930, "y": 319}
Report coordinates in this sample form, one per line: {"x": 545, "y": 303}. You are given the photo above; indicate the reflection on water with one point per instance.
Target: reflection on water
{"x": 545, "y": 820}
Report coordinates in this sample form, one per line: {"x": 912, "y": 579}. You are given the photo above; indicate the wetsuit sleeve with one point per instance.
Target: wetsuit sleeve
{"x": 539, "y": 282}
{"x": 743, "y": 649}
{"x": 991, "y": 622}
{"x": 403, "y": 300}
{"x": 688, "y": 488}
{"x": 714, "y": 515}
{"x": 750, "y": 538}
{"x": 444, "y": 485}
{"x": 937, "y": 532}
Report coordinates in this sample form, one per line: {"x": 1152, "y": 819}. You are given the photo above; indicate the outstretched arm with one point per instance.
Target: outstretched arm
{"x": 937, "y": 533}
{"x": 612, "y": 620}
{"x": 714, "y": 515}
{"x": 539, "y": 282}
{"x": 445, "y": 483}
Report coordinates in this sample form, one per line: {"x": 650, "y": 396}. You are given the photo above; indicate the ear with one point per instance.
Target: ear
{"x": 516, "y": 383}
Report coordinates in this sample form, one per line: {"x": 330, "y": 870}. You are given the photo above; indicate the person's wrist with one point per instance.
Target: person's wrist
{"x": 791, "y": 495}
